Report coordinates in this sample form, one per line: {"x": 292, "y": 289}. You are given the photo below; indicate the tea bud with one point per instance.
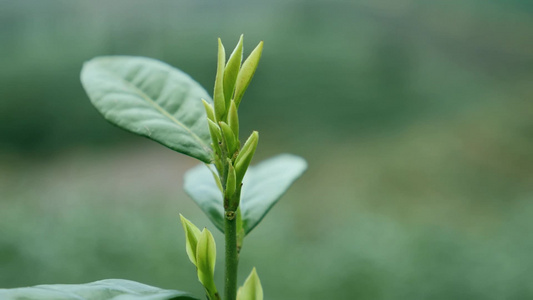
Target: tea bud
{"x": 215, "y": 131}
{"x": 245, "y": 156}
{"x": 192, "y": 234}
{"x": 205, "y": 260}
{"x": 251, "y": 289}
{"x": 231, "y": 71}
{"x": 218, "y": 94}
{"x": 247, "y": 72}
{"x": 231, "y": 182}
{"x": 209, "y": 110}
{"x": 233, "y": 119}
{"x": 229, "y": 137}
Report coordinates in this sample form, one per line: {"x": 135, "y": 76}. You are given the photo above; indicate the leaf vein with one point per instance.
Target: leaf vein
{"x": 154, "y": 104}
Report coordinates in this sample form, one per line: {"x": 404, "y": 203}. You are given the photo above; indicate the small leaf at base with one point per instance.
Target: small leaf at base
{"x": 192, "y": 234}
{"x": 206, "y": 255}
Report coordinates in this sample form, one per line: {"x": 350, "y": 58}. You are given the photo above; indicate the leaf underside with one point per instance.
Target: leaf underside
{"x": 263, "y": 186}
{"x": 152, "y": 99}
{"x": 109, "y": 289}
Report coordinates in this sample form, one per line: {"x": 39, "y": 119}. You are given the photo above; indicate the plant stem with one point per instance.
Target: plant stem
{"x": 232, "y": 257}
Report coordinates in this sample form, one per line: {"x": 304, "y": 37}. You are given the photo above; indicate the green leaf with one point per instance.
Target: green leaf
{"x": 206, "y": 255}
{"x": 192, "y": 235}
{"x": 151, "y": 99}
{"x": 200, "y": 189}
{"x": 109, "y": 289}
{"x": 252, "y": 289}
{"x": 263, "y": 186}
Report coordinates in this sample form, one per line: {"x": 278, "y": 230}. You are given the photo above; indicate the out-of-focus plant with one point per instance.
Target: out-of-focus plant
{"x": 155, "y": 100}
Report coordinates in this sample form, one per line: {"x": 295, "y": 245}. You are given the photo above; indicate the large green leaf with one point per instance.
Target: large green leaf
{"x": 152, "y": 99}
{"x": 263, "y": 185}
{"x": 109, "y": 289}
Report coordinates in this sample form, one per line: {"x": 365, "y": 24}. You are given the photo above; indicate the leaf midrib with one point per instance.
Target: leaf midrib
{"x": 158, "y": 107}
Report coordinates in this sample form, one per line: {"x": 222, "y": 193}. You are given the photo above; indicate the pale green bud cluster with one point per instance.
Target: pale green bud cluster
{"x": 231, "y": 161}
{"x": 201, "y": 249}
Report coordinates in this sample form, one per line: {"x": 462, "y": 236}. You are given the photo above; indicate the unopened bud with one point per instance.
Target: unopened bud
{"x": 245, "y": 156}
{"x": 233, "y": 119}
{"x": 231, "y": 71}
{"x": 215, "y": 131}
{"x": 209, "y": 110}
{"x": 216, "y": 135}
{"x": 206, "y": 256}
{"x": 247, "y": 72}
{"x": 229, "y": 137}
{"x": 231, "y": 182}
{"x": 192, "y": 234}
{"x": 251, "y": 289}
{"x": 218, "y": 94}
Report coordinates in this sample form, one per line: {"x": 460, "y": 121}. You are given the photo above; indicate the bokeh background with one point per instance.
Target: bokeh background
{"x": 416, "y": 118}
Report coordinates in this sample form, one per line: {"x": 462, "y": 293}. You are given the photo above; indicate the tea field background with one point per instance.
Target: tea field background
{"x": 416, "y": 118}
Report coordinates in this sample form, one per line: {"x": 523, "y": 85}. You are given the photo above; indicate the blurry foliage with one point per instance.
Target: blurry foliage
{"x": 68, "y": 221}
{"x": 343, "y": 68}
{"x": 416, "y": 118}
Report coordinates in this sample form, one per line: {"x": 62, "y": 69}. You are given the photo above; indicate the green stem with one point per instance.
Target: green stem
{"x": 212, "y": 296}
{"x": 232, "y": 256}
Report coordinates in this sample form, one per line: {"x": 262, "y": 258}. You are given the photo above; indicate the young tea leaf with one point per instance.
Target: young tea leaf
{"x": 218, "y": 93}
{"x": 229, "y": 137}
{"x": 247, "y": 72}
{"x": 233, "y": 120}
{"x": 231, "y": 181}
{"x": 192, "y": 235}
{"x": 231, "y": 71}
{"x": 216, "y": 134}
{"x": 151, "y": 99}
{"x": 206, "y": 255}
{"x": 245, "y": 156}
{"x": 252, "y": 289}
{"x": 209, "y": 110}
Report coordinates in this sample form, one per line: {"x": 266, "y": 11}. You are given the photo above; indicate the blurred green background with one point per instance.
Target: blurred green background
{"x": 416, "y": 118}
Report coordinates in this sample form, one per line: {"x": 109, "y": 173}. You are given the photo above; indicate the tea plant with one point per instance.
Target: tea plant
{"x": 152, "y": 99}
